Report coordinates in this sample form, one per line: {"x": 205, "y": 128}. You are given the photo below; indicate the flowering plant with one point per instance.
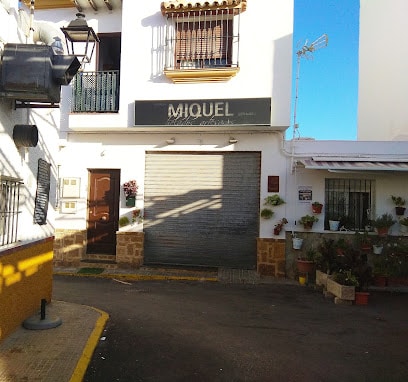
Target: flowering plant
{"x": 130, "y": 188}
{"x": 279, "y": 225}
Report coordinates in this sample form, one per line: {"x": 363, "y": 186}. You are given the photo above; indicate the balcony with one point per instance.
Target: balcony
{"x": 96, "y": 92}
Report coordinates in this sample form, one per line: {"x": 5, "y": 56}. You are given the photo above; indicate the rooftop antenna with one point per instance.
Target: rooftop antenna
{"x": 307, "y": 52}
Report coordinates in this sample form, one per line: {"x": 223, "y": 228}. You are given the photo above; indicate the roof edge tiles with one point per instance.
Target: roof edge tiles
{"x": 174, "y": 6}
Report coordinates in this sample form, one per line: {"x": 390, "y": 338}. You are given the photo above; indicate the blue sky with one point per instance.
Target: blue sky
{"x": 328, "y": 83}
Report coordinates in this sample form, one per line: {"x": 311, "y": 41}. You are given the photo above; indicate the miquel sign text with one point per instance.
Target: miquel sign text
{"x": 247, "y": 111}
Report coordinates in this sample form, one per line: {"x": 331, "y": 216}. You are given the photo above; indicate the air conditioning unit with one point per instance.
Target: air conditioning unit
{"x": 33, "y": 73}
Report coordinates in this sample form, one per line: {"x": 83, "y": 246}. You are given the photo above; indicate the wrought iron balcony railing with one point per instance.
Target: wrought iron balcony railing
{"x": 96, "y": 92}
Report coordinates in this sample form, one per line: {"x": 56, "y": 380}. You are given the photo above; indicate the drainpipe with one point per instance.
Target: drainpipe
{"x": 49, "y": 34}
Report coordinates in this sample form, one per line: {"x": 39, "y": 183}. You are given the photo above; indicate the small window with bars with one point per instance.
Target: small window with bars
{"x": 9, "y": 209}
{"x": 351, "y": 201}
{"x": 201, "y": 39}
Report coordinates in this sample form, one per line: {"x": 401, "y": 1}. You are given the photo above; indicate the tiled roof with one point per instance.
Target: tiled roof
{"x": 186, "y": 5}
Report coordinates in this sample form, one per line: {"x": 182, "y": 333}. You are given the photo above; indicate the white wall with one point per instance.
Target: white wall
{"x": 21, "y": 162}
{"x": 383, "y": 79}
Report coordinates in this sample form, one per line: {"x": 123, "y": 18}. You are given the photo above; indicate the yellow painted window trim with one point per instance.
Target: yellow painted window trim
{"x": 200, "y": 75}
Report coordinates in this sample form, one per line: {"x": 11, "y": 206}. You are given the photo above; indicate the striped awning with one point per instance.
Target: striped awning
{"x": 354, "y": 165}
{"x": 190, "y": 6}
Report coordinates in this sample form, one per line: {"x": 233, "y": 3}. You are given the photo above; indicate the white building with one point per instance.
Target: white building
{"x": 383, "y": 83}
{"x": 192, "y": 101}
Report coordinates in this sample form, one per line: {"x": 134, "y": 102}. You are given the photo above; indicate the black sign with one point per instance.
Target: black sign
{"x": 207, "y": 112}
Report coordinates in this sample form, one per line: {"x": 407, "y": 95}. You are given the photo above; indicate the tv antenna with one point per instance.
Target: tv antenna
{"x": 307, "y": 52}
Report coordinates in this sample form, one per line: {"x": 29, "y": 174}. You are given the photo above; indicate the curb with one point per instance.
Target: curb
{"x": 140, "y": 277}
{"x": 90, "y": 347}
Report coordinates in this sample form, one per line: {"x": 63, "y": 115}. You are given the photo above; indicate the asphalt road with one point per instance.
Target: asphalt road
{"x": 204, "y": 331}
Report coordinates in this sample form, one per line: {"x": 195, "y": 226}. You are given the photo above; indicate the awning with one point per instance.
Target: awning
{"x": 354, "y": 165}
{"x": 190, "y": 6}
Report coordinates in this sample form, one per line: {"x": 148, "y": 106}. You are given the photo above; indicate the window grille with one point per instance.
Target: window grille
{"x": 43, "y": 192}
{"x": 350, "y": 201}
{"x": 202, "y": 39}
{"x": 9, "y": 204}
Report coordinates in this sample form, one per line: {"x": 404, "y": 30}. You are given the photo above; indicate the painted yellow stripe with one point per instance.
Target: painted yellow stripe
{"x": 90, "y": 346}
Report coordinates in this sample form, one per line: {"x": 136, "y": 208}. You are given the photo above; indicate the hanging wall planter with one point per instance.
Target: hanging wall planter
{"x": 297, "y": 243}
{"x": 317, "y": 207}
{"x": 130, "y": 201}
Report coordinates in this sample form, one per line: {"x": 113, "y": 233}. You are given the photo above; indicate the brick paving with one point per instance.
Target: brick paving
{"x": 52, "y": 354}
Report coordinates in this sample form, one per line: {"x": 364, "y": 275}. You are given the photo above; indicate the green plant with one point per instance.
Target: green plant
{"x": 312, "y": 254}
{"x": 384, "y": 221}
{"x": 362, "y": 239}
{"x": 273, "y": 200}
{"x": 123, "y": 221}
{"x": 398, "y": 201}
{"x": 317, "y": 204}
{"x": 266, "y": 213}
{"x": 308, "y": 219}
{"x": 346, "y": 278}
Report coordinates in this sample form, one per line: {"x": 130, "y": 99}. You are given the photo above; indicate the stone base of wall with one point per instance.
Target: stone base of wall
{"x": 69, "y": 247}
{"x": 271, "y": 257}
{"x": 129, "y": 249}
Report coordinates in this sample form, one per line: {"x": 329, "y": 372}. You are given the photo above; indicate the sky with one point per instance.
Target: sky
{"x": 328, "y": 81}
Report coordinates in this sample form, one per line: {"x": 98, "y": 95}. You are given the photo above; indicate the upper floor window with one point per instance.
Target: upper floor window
{"x": 202, "y": 41}
{"x": 351, "y": 201}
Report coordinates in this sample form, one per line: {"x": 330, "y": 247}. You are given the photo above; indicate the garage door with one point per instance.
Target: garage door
{"x": 202, "y": 209}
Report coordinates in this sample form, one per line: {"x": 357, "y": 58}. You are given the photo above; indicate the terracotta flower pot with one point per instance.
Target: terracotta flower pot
{"x": 317, "y": 208}
{"x": 305, "y": 266}
{"x": 361, "y": 298}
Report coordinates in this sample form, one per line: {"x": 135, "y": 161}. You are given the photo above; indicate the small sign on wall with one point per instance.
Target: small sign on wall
{"x": 305, "y": 193}
{"x": 273, "y": 183}
{"x": 70, "y": 187}
{"x": 68, "y": 207}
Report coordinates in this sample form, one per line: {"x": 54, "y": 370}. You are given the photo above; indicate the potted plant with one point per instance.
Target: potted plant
{"x": 343, "y": 285}
{"x": 266, "y": 213}
{"x": 306, "y": 264}
{"x": 403, "y": 225}
{"x": 308, "y": 220}
{"x": 383, "y": 223}
{"x": 378, "y": 245}
{"x": 273, "y": 200}
{"x": 130, "y": 189}
{"x": 399, "y": 205}
{"x": 317, "y": 207}
{"x": 123, "y": 221}
{"x": 297, "y": 242}
{"x": 334, "y": 223}
{"x": 279, "y": 226}
{"x": 362, "y": 241}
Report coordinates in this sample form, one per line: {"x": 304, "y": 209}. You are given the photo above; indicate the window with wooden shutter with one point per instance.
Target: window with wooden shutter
{"x": 203, "y": 44}
{"x": 202, "y": 40}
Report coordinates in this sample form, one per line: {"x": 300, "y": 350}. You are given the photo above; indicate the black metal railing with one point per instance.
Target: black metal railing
{"x": 96, "y": 92}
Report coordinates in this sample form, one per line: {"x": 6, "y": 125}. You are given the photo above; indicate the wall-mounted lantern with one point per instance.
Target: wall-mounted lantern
{"x": 82, "y": 38}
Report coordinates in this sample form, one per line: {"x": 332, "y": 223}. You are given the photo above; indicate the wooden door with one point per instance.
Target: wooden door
{"x": 103, "y": 211}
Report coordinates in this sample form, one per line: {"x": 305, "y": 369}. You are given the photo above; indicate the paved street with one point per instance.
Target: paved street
{"x": 206, "y": 331}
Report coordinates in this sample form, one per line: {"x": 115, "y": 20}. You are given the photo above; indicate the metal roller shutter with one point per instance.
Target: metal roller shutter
{"x": 202, "y": 209}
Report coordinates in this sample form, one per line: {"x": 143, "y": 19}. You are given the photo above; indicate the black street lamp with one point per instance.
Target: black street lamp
{"x": 79, "y": 33}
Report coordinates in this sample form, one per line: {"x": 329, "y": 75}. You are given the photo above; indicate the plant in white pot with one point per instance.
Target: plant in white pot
{"x": 403, "y": 225}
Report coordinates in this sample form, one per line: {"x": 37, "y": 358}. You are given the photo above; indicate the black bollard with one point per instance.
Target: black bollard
{"x": 43, "y": 302}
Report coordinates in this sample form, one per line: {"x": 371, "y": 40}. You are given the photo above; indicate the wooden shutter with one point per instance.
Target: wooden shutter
{"x": 43, "y": 191}
{"x": 203, "y": 40}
